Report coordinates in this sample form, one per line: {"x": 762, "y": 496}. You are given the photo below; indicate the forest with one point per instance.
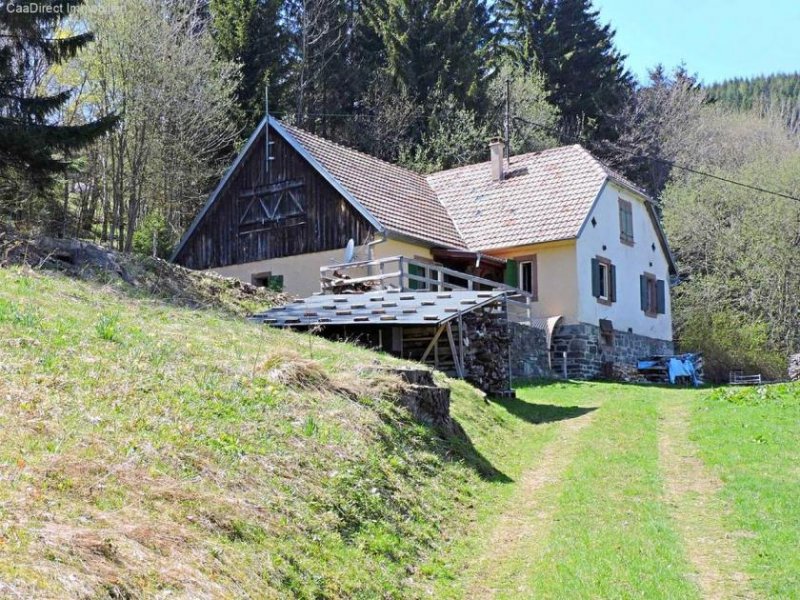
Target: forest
{"x": 118, "y": 116}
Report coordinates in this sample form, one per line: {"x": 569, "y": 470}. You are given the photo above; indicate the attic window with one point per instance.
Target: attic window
{"x": 594, "y": 222}
{"x": 625, "y": 222}
{"x": 267, "y": 206}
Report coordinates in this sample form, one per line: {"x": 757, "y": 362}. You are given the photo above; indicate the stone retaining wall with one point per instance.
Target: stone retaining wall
{"x": 586, "y": 352}
{"x": 529, "y": 352}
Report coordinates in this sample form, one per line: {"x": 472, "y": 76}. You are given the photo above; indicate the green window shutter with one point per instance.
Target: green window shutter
{"x": 511, "y": 276}
{"x": 413, "y": 284}
{"x": 612, "y": 293}
{"x": 595, "y": 278}
{"x": 643, "y": 291}
{"x": 661, "y": 296}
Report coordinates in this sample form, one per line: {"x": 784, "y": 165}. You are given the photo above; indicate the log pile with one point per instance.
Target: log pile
{"x": 794, "y": 367}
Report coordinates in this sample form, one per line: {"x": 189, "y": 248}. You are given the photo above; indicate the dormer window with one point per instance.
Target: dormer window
{"x": 625, "y": 222}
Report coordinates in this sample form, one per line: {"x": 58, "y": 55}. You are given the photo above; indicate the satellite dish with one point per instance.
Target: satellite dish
{"x": 350, "y": 251}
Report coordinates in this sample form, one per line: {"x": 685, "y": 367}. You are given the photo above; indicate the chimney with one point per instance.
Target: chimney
{"x": 496, "y": 152}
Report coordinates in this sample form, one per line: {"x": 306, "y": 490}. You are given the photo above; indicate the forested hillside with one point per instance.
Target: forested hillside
{"x": 771, "y": 93}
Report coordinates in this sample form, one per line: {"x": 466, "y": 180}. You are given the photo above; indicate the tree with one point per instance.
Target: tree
{"x": 584, "y": 72}
{"x": 738, "y": 250}
{"x": 154, "y": 63}
{"x": 534, "y": 119}
{"x": 34, "y": 147}
{"x": 255, "y": 34}
{"x": 658, "y": 121}
{"x": 432, "y": 46}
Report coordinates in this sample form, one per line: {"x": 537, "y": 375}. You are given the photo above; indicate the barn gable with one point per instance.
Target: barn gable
{"x": 295, "y": 208}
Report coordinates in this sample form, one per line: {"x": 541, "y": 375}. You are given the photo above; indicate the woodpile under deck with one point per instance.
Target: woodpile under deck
{"x": 428, "y": 327}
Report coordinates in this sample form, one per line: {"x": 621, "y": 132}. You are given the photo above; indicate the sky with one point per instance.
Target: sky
{"x": 716, "y": 39}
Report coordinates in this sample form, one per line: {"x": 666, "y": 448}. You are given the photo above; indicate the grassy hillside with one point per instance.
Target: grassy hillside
{"x": 151, "y": 450}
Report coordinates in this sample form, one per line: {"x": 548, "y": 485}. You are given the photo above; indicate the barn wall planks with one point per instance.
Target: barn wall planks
{"x": 327, "y": 222}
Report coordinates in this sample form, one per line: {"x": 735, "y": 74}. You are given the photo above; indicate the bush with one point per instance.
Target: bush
{"x": 730, "y": 341}
{"x": 153, "y": 227}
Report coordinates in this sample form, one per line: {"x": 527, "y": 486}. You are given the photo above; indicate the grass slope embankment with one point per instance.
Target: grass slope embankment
{"x": 151, "y": 450}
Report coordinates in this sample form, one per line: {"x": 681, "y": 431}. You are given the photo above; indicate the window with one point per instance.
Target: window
{"x": 654, "y": 295}
{"x": 267, "y": 280}
{"x": 604, "y": 280}
{"x": 528, "y": 277}
{"x": 625, "y": 222}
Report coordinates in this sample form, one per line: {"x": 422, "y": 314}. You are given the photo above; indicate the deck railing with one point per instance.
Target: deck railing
{"x": 409, "y": 274}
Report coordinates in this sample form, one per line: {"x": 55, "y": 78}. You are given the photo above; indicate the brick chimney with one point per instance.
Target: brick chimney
{"x": 496, "y": 153}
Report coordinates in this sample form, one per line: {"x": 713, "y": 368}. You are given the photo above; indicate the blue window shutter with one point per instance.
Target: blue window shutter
{"x": 612, "y": 276}
{"x": 643, "y": 291}
{"x": 595, "y": 278}
{"x": 661, "y": 296}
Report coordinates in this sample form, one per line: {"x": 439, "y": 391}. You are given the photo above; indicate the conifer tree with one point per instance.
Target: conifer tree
{"x": 32, "y": 145}
{"x": 585, "y": 73}
{"x": 434, "y": 47}
{"x": 253, "y": 33}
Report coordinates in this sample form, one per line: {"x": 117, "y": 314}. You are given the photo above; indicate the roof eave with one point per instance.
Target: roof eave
{"x": 300, "y": 149}
{"x": 220, "y": 186}
{"x": 650, "y": 204}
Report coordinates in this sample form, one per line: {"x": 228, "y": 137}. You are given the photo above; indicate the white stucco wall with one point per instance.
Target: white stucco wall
{"x": 301, "y": 272}
{"x": 631, "y": 262}
{"x": 557, "y": 277}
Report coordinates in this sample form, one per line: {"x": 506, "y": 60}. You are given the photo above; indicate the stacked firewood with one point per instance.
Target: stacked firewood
{"x": 794, "y": 367}
{"x": 486, "y": 351}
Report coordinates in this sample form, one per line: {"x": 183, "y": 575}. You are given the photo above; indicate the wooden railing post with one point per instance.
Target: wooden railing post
{"x": 402, "y": 274}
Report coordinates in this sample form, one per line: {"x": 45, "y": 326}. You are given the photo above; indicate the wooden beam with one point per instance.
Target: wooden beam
{"x": 436, "y": 335}
{"x": 454, "y": 352}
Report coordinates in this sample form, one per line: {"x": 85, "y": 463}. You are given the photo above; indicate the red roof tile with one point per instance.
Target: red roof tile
{"x": 400, "y": 199}
{"x": 544, "y": 197}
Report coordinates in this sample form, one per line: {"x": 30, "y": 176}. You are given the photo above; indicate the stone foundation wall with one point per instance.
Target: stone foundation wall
{"x": 587, "y": 353}
{"x": 528, "y": 352}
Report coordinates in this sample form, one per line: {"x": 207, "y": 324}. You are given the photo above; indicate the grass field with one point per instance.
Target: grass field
{"x": 149, "y": 450}
{"x": 659, "y": 493}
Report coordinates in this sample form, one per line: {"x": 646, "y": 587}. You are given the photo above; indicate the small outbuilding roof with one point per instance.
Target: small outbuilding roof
{"x": 390, "y": 307}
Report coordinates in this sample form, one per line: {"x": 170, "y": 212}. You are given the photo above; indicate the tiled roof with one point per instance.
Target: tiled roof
{"x": 544, "y": 197}
{"x": 400, "y": 199}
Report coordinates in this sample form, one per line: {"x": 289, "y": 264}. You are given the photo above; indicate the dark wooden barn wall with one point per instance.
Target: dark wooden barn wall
{"x": 328, "y": 223}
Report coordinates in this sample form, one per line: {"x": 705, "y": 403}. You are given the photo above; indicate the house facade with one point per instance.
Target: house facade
{"x": 583, "y": 244}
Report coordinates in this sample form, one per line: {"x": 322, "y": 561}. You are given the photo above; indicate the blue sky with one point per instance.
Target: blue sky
{"x": 717, "y": 39}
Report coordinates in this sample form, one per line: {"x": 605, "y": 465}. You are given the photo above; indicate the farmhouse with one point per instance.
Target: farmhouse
{"x": 564, "y": 246}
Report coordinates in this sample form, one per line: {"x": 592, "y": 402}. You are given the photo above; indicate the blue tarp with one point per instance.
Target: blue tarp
{"x": 677, "y": 366}
{"x": 683, "y": 368}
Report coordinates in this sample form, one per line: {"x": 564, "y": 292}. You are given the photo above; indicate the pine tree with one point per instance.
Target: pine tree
{"x": 434, "y": 47}
{"x": 33, "y": 146}
{"x": 253, "y": 33}
{"x": 585, "y": 73}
